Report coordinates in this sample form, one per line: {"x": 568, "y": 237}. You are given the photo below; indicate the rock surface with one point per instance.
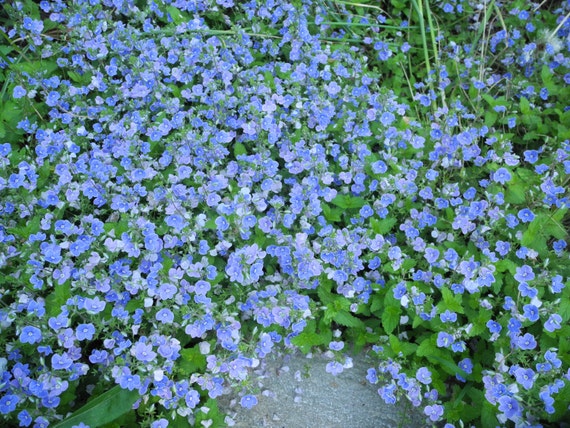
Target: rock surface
{"x": 297, "y": 392}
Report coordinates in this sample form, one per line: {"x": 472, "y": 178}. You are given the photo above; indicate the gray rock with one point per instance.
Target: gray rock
{"x": 297, "y": 392}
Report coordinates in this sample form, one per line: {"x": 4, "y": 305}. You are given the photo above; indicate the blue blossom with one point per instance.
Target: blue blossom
{"x": 30, "y": 334}
{"x": 85, "y": 331}
{"x": 8, "y": 403}
{"x": 510, "y": 407}
{"x": 435, "y": 412}
{"x": 248, "y": 401}
{"x": 553, "y": 323}
{"x": 51, "y": 252}
{"x": 334, "y": 368}
{"x": 143, "y": 352}
{"x": 526, "y": 342}
{"x": 128, "y": 380}
{"x": 525, "y": 377}
{"x": 530, "y": 312}
{"x": 448, "y": 316}
{"x": 61, "y": 362}
{"x": 423, "y": 375}
{"x": 165, "y": 316}
{"x": 444, "y": 340}
{"x": 526, "y": 215}
{"x": 19, "y": 92}
{"x": 502, "y": 176}
{"x": 524, "y": 274}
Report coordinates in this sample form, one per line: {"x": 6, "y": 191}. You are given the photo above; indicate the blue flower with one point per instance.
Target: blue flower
{"x": 530, "y": 312}
{"x": 502, "y": 175}
{"x": 553, "y": 323}
{"x": 526, "y": 342}
{"x": 248, "y": 401}
{"x": 379, "y": 167}
{"x": 510, "y": 407}
{"x": 435, "y": 412}
{"x": 53, "y": 98}
{"x": 444, "y": 340}
{"x": 201, "y": 287}
{"x": 31, "y": 335}
{"x": 61, "y": 362}
{"x": 19, "y": 92}
{"x": 431, "y": 255}
{"x": 525, "y": 215}
{"x": 85, "y": 331}
{"x": 222, "y": 224}
{"x": 494, "y": 326}
{"x": 24, "y": 418}
{"x": 129, "y": 381}
{"x": 143, "y": 352}
{"x": 51, "y": 252}
{"x": 448, "y": 316}
{"x": 165, "y": 316}
{"x": 8, "y": 403}
{"x": 524, "y": 274}
{"x": 334, "y": 367}
{"x": 423, "y": 375}
{"x": 525, "y": 377}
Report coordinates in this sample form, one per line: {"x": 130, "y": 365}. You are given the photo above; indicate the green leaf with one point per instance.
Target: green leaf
{"x": 58, "y": 298}
{"x": 191, "y": 360}
{"x": 525, "y": 106}
{"x": 405, "y": 348}
{"x": 449, "y": 366}
{"x": 451, "y": 301}
{"x": 306, "y": 340}
{"x": 506, "y": 265}
{"x": 564, "y": 310}
{"x": 348, "y": 202}
{"x": 428, "y": 348}
{"x": 391, "y": 318}
{"x": 383, "y": 226}
{"x": 516, "y": 194}
{"x": 346, "y": 319}
{"x": 103, "y": 409}
{"x": 331, "y": 214}
{"x": 239, "y": 149}
{"x": 488, "y": 415}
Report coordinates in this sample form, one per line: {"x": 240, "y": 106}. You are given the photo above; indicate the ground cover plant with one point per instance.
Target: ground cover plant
{"x": 187, "y": 186}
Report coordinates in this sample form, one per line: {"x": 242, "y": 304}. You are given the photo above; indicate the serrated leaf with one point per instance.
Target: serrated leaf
{"x": 391, "y": 318}
{"x": 524, "y": 105}
{"x": 307, "y": 340}
{"x": 103, "y": 409}
{"x": 377, "y": 303}
{"x": 239, "y": 149}
{"x": 382, "y": 226}
{"x": 348, "y": 202}
{"x": 451, "y": 301}
{"x": 506, "y": 265}
{"x": 449, "y": 366}
{"x": 426, "y": 348}
{"x": 516, "y": 194}
{"x": 191, "y": 360}
{"x": 346, "y": 319}
{"x": 488, "y": 415}
{"x": 331, "y": 214}
{"x": 564, "y": 310}
{"x": 177, "y": 16}
{"x": 57, "y": 298}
